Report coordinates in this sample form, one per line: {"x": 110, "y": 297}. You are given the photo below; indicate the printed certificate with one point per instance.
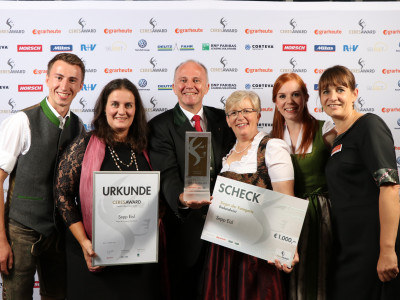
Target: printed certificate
{"x": 255, "y": 221}
{"x": 125, "y": 217}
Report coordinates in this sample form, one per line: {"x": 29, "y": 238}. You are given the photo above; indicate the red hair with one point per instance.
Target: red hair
{"x": 310, "y": 124}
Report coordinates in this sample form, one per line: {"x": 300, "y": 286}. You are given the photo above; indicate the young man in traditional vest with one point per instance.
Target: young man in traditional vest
{"x": 31, "y": 142}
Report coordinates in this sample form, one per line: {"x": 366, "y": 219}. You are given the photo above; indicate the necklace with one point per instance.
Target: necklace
{"x": 117, "y": 160}
{"x": 238, "y": 152}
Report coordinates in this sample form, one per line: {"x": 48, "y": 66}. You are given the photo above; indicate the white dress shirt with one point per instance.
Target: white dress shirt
{"x": 15, "y": 137}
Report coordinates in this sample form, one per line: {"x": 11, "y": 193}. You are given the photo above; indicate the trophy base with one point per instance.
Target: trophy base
{"x": 189, "y": 194}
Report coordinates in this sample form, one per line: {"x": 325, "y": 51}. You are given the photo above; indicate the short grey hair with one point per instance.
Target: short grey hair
{"x": 193, "y": 61}
{"x": 239, "y": 96}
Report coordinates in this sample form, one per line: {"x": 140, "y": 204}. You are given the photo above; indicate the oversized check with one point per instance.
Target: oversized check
{"x": 255, "y": 221}
{"x": 125, "y": 217}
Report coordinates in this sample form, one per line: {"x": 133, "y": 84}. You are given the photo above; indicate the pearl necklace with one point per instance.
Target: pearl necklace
{"x": 116, "y": 159}
{"x": 238, "y": 152}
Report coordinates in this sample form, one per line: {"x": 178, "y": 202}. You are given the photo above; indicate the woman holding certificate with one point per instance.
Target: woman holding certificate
{"x": 258, "y": 160}
{"x": 310, "y": 141}
{"x": 117, "y": 143}
{"x": 363, "y": 187}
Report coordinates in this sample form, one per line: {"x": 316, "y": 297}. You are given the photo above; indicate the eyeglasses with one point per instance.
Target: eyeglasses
{"x": 244, "y": 111}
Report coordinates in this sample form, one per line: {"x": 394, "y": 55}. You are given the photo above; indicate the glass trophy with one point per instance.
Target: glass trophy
{"x": 197, "y": 166}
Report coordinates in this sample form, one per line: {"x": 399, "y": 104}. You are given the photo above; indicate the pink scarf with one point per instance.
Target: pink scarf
{"x": 92, "y": 160}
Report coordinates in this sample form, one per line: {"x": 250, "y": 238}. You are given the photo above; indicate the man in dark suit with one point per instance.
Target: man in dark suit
{"x": 184, "y": 220}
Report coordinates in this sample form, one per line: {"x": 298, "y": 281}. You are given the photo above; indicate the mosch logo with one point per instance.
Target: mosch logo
{"x": 294, "y": 47}
{"x": 293, "y": 24}
{"x": 154, "y": 64}
{"x": 12, "y": 70}
{"x": 153, "y": 101}
{"x": 61, "y": 48}
{"x": 224, "y": 23}
{"x": 10, "y": 24}
{"x": 153, "y": 29}
{"x": 324, "y": 48}
{"x": 362, "y": 69}
{"x": 29, "y": 48}
{"x": 294, "y": 64}
{"x": 224, "y": 62}
{"x": 30, "y": 88}
{"x": 83, "y": 28}
{"x": 363, "y": 25}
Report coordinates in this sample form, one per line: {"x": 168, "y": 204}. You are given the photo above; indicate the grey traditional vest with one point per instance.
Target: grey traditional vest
{"x": 30, "y": 194}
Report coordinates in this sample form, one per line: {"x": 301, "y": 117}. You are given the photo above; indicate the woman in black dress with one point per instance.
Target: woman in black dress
{"x": 117, "y": 143}
{"x": 363, "y": 187}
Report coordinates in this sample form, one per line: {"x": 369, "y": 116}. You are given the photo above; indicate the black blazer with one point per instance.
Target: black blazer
{"x": 167, "y": 154}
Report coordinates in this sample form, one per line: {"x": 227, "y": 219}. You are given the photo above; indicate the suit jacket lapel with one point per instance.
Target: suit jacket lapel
{"x": 181, "y": 122}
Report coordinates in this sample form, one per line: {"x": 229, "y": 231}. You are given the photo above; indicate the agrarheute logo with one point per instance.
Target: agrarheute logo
{"x": 153, "y": 29}
{"x": 390, "y": 71}
{"x": 83, "y": 29}
{"x": 30, "y": 88}
{"x": 293, "y": 24}
{"x": 117, "y": 30}
{"x": 29, "y": 48}
{"x": 257, "y": 31}
{"x": 117, "y": 70}
{"x": 327, "y": 31}
{"x": 391, "y": 31}
{"x": 10, "y": 24}
{"x": 188, "y": 30}
{"x": 39, "y": 72}
{"x": 294, "y": 47}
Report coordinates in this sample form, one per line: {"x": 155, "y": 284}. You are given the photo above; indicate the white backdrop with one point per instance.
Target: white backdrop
{"x": 245, "y": 45}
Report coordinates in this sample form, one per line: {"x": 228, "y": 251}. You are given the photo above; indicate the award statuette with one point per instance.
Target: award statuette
{"x": 197, "y": 166}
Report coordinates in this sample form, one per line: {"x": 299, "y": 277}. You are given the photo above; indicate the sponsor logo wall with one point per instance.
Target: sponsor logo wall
{"x": 240, "y": 53}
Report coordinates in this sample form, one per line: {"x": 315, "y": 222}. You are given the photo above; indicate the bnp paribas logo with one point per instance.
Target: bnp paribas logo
{"x": 223, "y": 22}
{"x": 153, "y": 27}
{"x": 155, "y": 108}
{"x": 10, "y": 27}
{"x": 82, "y": 27}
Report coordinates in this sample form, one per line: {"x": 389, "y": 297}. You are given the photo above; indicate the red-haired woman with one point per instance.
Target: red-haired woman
{"x": 310, "y": 141}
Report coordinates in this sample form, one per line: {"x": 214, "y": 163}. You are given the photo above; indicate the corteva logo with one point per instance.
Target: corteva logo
{"x": 30, "y": 88}
{"x": 29, "y": 48}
